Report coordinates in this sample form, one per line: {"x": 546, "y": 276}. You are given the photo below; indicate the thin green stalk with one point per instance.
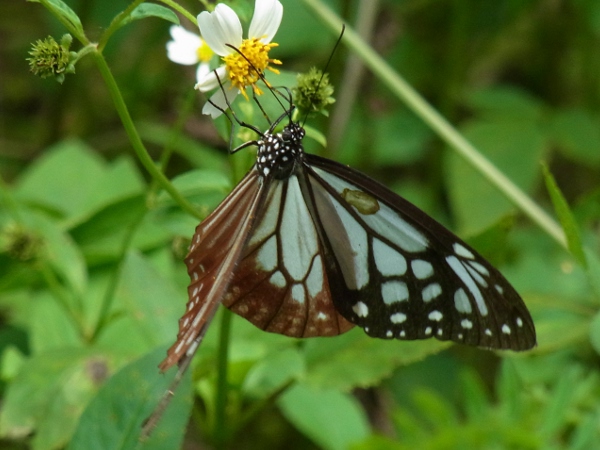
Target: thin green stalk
{"x": 437, "y": 123}
{"x": 221, "y": 430}
{"x": 181, "y": 10}
{"x": 116, "y": 23}
{"x": 58, "y": 291}
{"x": 135, "y": 139}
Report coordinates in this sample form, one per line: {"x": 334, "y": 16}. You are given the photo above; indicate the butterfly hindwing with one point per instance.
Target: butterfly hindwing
{"x": 406, "y": 276}
{"x": 213, "y": 255}
{"x": 282, "y": 284}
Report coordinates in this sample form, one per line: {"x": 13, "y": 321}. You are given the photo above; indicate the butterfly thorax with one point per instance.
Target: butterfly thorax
{"x": 278, "y": 153}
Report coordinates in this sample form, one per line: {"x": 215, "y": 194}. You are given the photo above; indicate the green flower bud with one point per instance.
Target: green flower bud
{"x": 313, "y": 92}
{"x": 49, "y": 58}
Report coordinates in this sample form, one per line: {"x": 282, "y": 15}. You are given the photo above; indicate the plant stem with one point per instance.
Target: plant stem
{"x": 135, "y": 139}
{"x": 437, "y": 123}
{"x": 181, "y": 10}
{"x": 116, "y": 23}
{"x": 221, "y": 431}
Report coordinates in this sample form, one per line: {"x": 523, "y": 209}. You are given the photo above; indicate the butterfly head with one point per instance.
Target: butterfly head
{"x": 278, "y": 153}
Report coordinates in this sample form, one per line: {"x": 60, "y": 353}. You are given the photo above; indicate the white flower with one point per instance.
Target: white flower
{"x": 222, "y": 28}
{"x": 188, "y": 48}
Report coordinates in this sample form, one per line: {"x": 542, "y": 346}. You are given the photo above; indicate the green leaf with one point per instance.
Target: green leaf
{"x": 505, "y": 103}
{"x": 333, "y": 420}
{"x": 515, "y": 147}
{"x": 273, "y": 372}
{"x": 49, "y": 395}
{"x": 565, "y": 216}
{"x": 61, "y": 253}
{"x": 65, "y": 14}
{"x": 151, "y": 300}
{"x": 399, "y": 138}
{"x": 151, "y": 10}
{"x": 577, "y": 133}
{"x": 114, "y": 418}
{"x": 332, "y": 363}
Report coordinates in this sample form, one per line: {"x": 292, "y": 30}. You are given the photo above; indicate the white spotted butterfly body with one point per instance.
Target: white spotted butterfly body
{"x": 305, "y": 247}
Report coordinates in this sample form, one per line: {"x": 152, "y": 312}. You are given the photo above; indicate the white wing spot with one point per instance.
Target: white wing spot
{"x": 460, "y": 336}
{"x": 389, "y": 333}
{"x": 435, "y": 316}
{"x": 461, "y": 250}
{"x": 479, "y": 268}
{"x": 267, "y": 255}
{"x": 428, "y": 330}
{"x": 422, "y": 269}
{"x": 488, "y": 331}
{"x": 505, "y": 329}
{"x": 195, "y": 276}
{"x": 499, "y": 289}
{"x": 394, "y": 291}
{"x": 403, "y": 334}
{"x": 461, "y": 302}
{"x": 314, "y": 282}
{"x": 440, "y": 332}
{"x": 300, "y": 245}
{"x": 432, "y": 291}
{"x": 388, "y": 261}
{"x": 322, "y": 316}
{"x": 277, "y": 279}
{"x": 462, "y": 273}
{"x": 476, "y": 276}
{"x": 466, "y": 323}
{"x": 298, "y": 293}
{"x": 361, "y": 310}
{"x": 519, "y": 322}
{"x": 398, "y": 318}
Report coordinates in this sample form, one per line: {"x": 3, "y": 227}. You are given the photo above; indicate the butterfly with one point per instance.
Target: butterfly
{"x": 304, "y": 246}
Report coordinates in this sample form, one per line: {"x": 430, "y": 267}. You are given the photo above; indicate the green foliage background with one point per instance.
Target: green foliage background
{"x": 92, "y": 282}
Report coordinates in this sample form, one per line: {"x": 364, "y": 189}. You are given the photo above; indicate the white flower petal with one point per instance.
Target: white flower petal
{"x": 202, "y": 71}
{"x": 210, "y": 81}
{"x": 218, "y": 99}
{"x": 266, "y": 20}
{"x": 220, "y": 27}
{"x": 183, "y": 48}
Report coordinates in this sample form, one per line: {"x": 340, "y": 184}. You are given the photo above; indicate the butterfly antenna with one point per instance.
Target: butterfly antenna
{"x": 337, "y": 43}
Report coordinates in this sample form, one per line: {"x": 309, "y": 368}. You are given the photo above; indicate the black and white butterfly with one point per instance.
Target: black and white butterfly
{"x": 305, "y": 246}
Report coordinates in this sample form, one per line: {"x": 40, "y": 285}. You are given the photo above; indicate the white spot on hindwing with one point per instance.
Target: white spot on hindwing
{"x": 300, "y": 243}
{"x": 298, "y": 293}
{"x": 519, "y": 322}
{"x": 266, "y": 256}
{"x": 277, "y": 279}
{"x": 360, "y": 309}
{"x": 314, "y": 282}
{"x": 506, "y": 329}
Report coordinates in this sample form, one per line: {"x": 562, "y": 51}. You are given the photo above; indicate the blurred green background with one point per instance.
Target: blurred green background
{"x": 92, "y": 282}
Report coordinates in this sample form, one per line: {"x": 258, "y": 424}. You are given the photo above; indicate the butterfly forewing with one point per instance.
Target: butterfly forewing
{"x": 282, "y": 284}
{"x": 406, "y": 276}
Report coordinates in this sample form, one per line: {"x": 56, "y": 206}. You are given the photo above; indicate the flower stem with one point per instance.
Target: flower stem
{"x": 221, "y": 430}
{"x": 116, "y": 23}
{"x": 135, "y": 139}
{"x": 437, "y": 123}
{"x": 181, "y": 10}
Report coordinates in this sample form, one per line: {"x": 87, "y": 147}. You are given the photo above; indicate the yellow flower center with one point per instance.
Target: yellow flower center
{"x": 246, "y": 70}
{"x": 204, "y": 52}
